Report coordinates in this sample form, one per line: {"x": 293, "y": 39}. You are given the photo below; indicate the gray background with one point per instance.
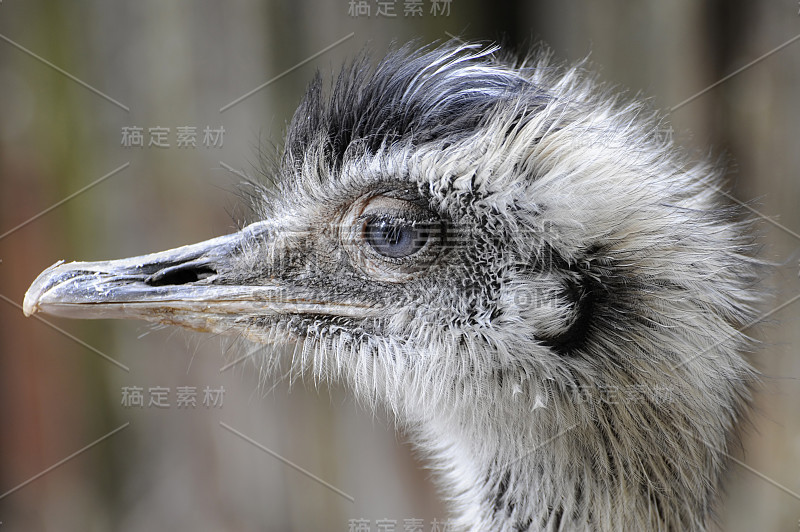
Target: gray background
{"x": 176, "y": 64}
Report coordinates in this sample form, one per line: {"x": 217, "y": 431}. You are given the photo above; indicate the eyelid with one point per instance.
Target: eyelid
{"x": 394, "y": 211}
{"x": 391, "y": 205}
{"x": 387, "y": 217}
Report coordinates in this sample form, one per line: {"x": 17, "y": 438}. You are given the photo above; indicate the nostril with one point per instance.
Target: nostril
{"x": 181, "y": 274}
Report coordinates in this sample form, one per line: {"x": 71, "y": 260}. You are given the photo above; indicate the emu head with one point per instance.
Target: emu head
{"x": 528, "y": 272}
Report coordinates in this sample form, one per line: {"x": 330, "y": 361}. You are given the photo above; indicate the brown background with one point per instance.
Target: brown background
{"x": 175, "y": 64}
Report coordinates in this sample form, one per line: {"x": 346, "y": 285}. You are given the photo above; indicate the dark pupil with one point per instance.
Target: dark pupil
{"x": 395, "y": 238}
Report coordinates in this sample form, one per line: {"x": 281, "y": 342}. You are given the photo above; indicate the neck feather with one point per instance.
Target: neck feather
{"x": 567, "y": 465}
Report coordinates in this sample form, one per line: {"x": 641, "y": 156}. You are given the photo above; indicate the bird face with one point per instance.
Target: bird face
{"x": 381, "y": 268}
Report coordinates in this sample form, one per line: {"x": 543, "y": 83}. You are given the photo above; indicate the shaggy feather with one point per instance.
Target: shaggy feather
{"x": 587, "y": 254}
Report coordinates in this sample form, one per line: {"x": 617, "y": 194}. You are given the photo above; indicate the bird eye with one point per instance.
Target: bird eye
{"x": 395, "y": 238}
{"x": 392, "y": 238}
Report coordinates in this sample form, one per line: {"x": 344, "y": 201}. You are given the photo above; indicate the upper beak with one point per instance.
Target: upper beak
{"x": 184, "y": 286}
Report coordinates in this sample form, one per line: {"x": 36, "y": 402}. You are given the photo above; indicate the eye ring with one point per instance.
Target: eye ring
{"x": 391, "y": 238}
{"x": 395, "y": 238}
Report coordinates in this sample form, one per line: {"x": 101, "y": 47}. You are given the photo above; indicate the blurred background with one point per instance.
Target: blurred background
{"x": 78, "y": 78}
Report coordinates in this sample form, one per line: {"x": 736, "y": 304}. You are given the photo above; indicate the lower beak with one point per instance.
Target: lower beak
{"x": 186, "y": 286}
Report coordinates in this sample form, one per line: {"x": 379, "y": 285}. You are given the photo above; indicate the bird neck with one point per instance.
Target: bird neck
{"x": 494, "y": 479}
{"x": 552, "y": 467}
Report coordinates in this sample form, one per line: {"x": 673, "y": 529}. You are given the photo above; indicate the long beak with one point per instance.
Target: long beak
{"x": 186, "y": 286}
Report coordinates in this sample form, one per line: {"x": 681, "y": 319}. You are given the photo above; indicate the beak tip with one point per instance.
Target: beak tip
{"x": 30, "y": 304}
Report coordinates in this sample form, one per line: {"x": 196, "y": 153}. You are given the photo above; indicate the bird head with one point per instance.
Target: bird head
{"x": 474, "y": 240}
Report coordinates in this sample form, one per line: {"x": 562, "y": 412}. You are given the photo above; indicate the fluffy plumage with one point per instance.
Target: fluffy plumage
{"x": 574, "y": 362}
{"x": 562, "y": 342}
